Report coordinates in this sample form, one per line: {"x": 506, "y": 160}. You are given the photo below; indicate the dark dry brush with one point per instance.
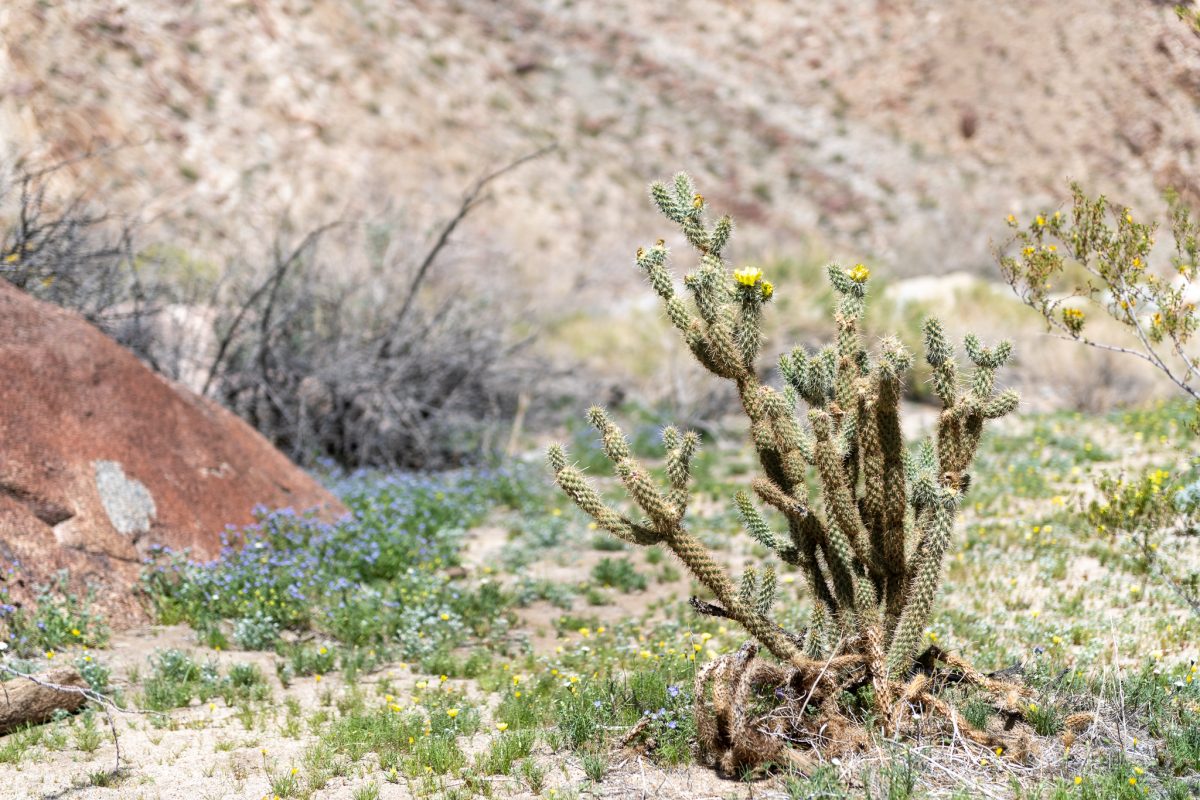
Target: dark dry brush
{"x": 335, "y": 343}
{"x": 75, "y": 255}
{"x": 871, "y": 551}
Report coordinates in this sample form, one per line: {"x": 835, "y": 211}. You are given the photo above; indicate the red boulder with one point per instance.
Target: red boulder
{"x": 101, "y": 458}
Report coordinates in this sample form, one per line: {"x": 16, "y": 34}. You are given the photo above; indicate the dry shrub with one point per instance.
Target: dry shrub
{"x": 357, "y": 341}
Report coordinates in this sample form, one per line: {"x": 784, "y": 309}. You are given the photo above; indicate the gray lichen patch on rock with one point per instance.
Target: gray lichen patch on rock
{"x": 127, "y": 501}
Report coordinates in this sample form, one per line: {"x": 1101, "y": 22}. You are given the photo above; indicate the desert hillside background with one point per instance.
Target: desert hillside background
{"x": 896, "y": 132}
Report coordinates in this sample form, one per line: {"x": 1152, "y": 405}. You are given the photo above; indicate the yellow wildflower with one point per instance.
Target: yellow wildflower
{"x": 452, "y": 712}
{"x": 859, "y": 273}
{"x": 748, "y": 276}
{"x": 501, "y": 726}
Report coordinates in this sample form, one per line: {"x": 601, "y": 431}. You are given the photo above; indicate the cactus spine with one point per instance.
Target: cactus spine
{"x": 872, "y": 555}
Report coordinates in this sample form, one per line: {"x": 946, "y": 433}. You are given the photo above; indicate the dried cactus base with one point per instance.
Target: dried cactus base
{"x": 752, "y": 714}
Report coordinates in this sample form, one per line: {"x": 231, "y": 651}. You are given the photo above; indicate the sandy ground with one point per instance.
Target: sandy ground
{"x": 206, "y": 753}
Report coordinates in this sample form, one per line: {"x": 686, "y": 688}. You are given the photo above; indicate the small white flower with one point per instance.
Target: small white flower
{"x": 3, "y": 646}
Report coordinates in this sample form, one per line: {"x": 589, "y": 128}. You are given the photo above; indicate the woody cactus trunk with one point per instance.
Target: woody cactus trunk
{"x": 871, "y": 552}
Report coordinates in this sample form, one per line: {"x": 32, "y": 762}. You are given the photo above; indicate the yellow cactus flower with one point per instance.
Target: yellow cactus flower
{"x": 748, "y": 276}
{"x": 859, "y": 273}
{"x": 768, "y": 289}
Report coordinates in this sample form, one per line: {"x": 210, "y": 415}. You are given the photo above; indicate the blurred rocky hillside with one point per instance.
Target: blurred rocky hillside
{"x": 901, "y": 132}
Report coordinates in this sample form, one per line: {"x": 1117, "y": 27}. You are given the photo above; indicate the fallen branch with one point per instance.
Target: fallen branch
{"x": 84, "y": 693}
{"x": 37, "y": 701}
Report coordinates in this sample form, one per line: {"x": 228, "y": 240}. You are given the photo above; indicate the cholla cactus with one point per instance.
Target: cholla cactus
{"x": 871, "y": 553}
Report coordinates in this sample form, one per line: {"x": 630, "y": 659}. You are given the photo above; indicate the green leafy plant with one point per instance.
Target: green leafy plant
{"x": 1097, "y": 257}
{"x": 618, "y": 572}
{"x": 871, "y": 551}
{"x": 1143, "y": 510}
{"x": 59, "y": 618}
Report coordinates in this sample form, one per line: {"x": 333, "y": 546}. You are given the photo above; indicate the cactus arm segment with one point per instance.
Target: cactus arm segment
{"x": 937, "y": 525}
